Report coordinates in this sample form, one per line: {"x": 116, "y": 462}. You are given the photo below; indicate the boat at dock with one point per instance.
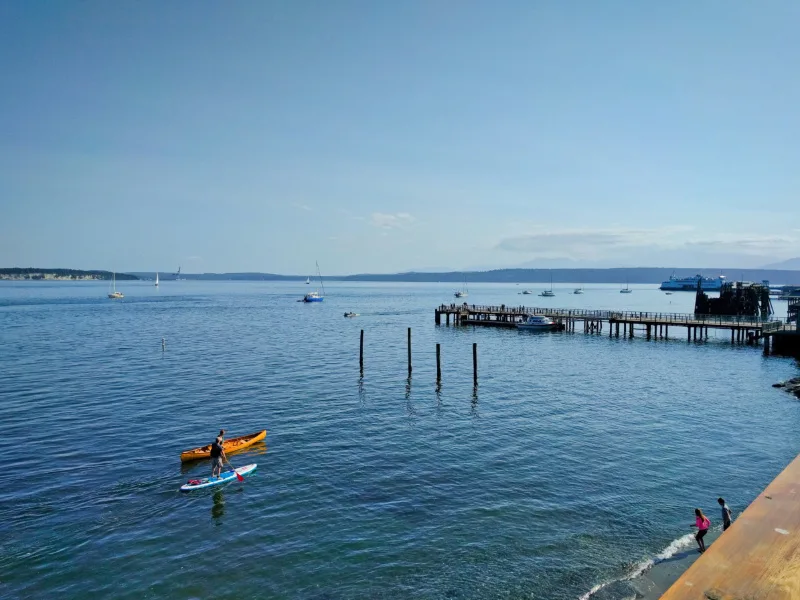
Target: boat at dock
{"x": 231, "y": 445}
{"x": 538, "y": 323}
{"x": 689, "y": 284}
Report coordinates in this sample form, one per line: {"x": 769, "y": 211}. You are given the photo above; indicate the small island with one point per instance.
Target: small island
{"x": 37, "y": 274}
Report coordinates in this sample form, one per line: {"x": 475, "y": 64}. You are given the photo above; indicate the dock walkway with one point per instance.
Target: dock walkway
{"x": 743, "y": 329}
{"x": 758, "y": 558}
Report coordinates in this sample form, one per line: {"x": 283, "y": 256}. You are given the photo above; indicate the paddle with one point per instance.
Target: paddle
{"x": 235, "y": 472}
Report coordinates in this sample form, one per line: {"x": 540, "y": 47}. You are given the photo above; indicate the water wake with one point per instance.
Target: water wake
{"x": 639, "y": 569}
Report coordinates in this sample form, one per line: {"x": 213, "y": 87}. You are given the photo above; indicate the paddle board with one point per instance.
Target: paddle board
{"x": 224, "y": 477}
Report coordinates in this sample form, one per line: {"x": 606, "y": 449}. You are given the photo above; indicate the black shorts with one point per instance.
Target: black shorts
{"x": 701, "y": 534}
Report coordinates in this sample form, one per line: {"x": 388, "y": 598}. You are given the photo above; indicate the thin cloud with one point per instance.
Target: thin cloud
{"x": 391, "y": 221}
{"x": 305, "y": 207}
{"x": 583, "y": 244}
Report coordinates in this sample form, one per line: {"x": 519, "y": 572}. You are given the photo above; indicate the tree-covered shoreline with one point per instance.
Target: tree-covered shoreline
{"x": 39, "y": 274}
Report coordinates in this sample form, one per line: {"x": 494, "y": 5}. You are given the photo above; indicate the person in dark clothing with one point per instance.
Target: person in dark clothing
{"x": 217, "y": 455}
{"x": 726, "y": 514}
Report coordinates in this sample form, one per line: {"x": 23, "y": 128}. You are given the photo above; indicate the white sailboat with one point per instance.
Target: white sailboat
{"x": 114, "y": 295}
{"x": 463, "y": 292}
{"x": 308, "y": 280}
{"x": 156, "y": 278}
{"x": 626, "y": 289}
{"x": 549, "y": 293}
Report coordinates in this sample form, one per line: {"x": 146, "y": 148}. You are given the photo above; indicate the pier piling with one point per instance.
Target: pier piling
{"x": 438, "y": 363}
{"x": 361, "y": 354}
{"x": 475, "y": 363}
{"x": 409, "y": 350}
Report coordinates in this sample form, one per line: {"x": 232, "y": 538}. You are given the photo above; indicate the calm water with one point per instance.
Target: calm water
{"x": 577, "y": 459}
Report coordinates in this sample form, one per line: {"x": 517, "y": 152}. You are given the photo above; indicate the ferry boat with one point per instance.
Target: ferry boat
{"x": 538, "y": 323}
{"x": 689, "y": 284}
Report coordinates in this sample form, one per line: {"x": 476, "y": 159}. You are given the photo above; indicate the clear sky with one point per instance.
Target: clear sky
{"x": 384, "y": 136}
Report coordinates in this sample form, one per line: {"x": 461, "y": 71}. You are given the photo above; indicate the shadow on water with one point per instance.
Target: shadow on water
{"x": 218, "y": 505}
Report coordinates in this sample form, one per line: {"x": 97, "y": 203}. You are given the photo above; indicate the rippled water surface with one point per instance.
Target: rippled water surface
{"x": 577, "y": 457}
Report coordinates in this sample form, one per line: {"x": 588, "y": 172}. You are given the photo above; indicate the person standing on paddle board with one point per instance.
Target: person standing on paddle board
{"x": 217, "y": 455}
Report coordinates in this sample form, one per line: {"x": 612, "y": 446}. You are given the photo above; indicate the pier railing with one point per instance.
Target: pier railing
{"x": 767, "y": 324}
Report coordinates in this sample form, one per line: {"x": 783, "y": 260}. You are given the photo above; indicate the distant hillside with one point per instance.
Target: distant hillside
{"x": 39, "y": 274}
{"x": 790, "y": 264}
{"x": 615, "y": 276}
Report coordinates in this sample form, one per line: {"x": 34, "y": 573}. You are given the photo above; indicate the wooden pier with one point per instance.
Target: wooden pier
{"x": 743, "y": 329}
{"x": 758, "y": 557}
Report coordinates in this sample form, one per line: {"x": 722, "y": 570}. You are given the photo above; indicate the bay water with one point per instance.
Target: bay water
{"x": 576, "y": 462}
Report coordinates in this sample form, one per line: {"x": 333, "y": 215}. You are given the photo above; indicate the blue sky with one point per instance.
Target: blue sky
{"x": 378, "y": 136}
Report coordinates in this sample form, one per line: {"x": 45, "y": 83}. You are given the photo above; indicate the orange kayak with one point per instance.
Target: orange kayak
{"x": 231, "y": 445}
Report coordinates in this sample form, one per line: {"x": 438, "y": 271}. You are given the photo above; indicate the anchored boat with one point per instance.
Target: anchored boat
{"x": 316, "y": 296}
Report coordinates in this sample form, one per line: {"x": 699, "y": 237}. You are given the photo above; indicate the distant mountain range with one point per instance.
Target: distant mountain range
{"x": 792, "y": 264}
{"x": 636, "y": 275}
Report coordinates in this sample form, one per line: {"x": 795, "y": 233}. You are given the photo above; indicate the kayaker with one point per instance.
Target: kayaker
{"x": 217, "y": 455}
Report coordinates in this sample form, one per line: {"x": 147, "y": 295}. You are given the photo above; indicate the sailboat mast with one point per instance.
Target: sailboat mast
{"x": 320, "y": 278}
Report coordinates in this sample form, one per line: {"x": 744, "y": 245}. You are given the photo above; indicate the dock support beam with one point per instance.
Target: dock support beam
{"x": 617, "y": 334}
{"x": 438, "y": 363}
{"x": 766, "y": 345}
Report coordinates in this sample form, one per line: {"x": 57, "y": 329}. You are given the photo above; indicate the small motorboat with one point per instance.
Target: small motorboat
{"x": 578, "y": 291}
{"x": 538, "y": 323}
{"x": 527, "y": 292}
{"x": 350, "y": 314}
{"x": 547, "y": 294}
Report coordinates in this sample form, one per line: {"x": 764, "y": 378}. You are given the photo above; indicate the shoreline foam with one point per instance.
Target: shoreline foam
{"x": 649, "y": 579}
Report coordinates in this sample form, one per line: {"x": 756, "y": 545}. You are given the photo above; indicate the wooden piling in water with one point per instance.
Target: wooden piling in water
{"x": 438, "y": 363}
{"x": 361, "y": 353}
{"x": 409, "y": 350}
{"x": 475, "y": 363}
